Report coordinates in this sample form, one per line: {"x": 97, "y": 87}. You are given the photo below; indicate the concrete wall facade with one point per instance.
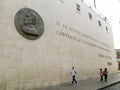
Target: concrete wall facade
{"x": 70, "y": 38}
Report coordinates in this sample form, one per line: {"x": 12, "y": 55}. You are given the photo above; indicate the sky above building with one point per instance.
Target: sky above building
{"x": 111, "y": 10}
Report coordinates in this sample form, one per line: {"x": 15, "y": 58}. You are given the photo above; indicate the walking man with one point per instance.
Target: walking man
{"x": 73, "y": 72}
{"x": 105, "y": 74}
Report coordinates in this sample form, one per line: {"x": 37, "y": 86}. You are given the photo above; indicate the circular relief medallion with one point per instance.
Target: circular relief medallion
{"x": 29, "y": 23}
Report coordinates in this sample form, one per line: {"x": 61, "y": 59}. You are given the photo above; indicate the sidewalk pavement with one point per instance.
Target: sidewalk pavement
{"x": 89, "y": 84}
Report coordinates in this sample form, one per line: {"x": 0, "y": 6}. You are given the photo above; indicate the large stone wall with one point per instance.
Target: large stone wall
{"x": 70, "y": 38}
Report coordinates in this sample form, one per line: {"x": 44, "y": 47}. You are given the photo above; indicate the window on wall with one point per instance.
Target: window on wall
{"x": 90, "y": 15}
{"x": 99, "y": 23}
{"x": 78, "y": 7}
{"x": 61, "y": 1}
{"x": 106, "y": 28}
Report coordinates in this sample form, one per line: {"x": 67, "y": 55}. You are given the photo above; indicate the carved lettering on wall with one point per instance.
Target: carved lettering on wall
{"x": 75, "y": 34}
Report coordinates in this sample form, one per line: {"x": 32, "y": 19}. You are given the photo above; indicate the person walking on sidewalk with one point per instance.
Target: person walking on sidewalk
{"x": 73, "y": 72}
{"x": 101, "y": 74}
{"x": 105, "y": 74}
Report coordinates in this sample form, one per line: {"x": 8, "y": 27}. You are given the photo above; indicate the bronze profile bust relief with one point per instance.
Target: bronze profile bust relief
{"x": 29, "y": 24}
